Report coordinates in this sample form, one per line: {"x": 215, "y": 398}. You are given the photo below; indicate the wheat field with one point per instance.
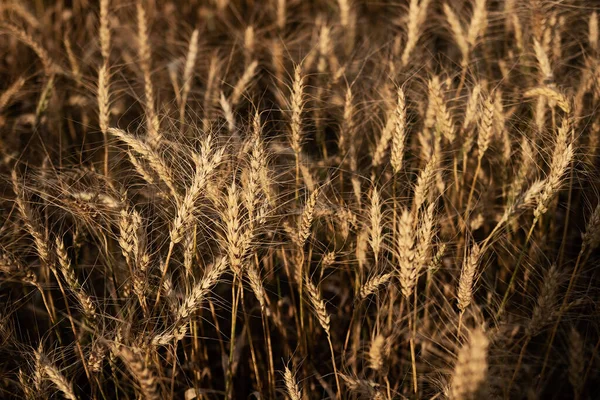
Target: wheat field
{"x": 299, "y": 199}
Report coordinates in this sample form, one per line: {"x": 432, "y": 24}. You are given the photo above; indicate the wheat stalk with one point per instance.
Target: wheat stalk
{"x": 399, "y": 133}
{"x": 104, "y": 29}
{"x": 576, "y": 362}
{"x": 460, "y": 37}
{"x": 376, "y": 225}
{"x": 145, "y": 56}
{"x": 467, "y": 277}
{"x": 152, "y": 156}
{"x": 593, "y": 31}
{"x": 373, "y": 284}
{"x": 305, "y": 221}
{"x": 417, "y": 12}
{"x": 478, "y": 22}
{"x": 543, "y": 61}
{"x": 188, "y": 72}
{"x": 69, "y": 273}
{"x": 49, "y": 66}
{"x": 551, "y": 94}
{"x": 542, "y": 312}
{"x": 471, "y": 368}
{"x": 10, "y": 92}
{"x": 291, "y": 386}
{"x": 242, "y": 84}
{"x": 140, "y": 371}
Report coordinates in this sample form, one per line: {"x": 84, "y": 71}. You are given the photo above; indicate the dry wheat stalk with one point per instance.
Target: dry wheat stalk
{"x": 472, "y": 106}
{"x": 576, "y": 361}
{"x": 257, "y": 286}
{"x": 297, "y": 105}
{"x": 104, "y": 29}
{"x": 305, "y": 221}
{"x": 188, "y": 70}
{"x": 281, "y": 13}
{"x": 65, "y": 387}
{"x": 425, "y": 235}
{"x": 45, "y": 369}
{"x": 348, "y": 127}
{"x": 237, "y": 234}
{"x": 69, "y": 274}
{"x": 103, "y": 98}
{"x": 227, "y": 112}
{"x": 376, "y": 225}
{"x": 145, "y": 56}
{"x": 460, "y": 37}
{"x": 9, "y": 93}
{"x": 375, "y": 354}
{"x": 206, "y": 163}
{"x": 542, "y": 312}
{"x": 291, "y": 386}
{"x": 478, "y": 23}
{"x": 438, "y": 110}
{"x": 31, "y": 221}
{"x": 467, "y": 277}
{"x": 141, "y": 372}
{"x": 551, "y": 94}
{"x": 194, "y": 300}
{"x": 417, "y": 12}
{"x": 543, "y": 61}
{"x": 75, "y": 68}
{"x": 425, "y": 183}
{"x": 155, "y": 160}
{"x": 243, "y": 83}
{"x": 130, "y": 224}
{"x": 21, "y": 11}
{"x": 373, "y": 284}
{"x": 399, "y": 132}
{"x": 318, "y": 304}
{"x": 210, "y": 95}
{"x": 561, "y": 159}
{"x": 593, "y": 31}
{"x": 486, "y": 126}
{"x": 384, "y": 139}
{"x": 405, "y": 242}
{"x": 471, "y": 367}
{"x": 49, "y": 66}
{"x": 591, "y": 237}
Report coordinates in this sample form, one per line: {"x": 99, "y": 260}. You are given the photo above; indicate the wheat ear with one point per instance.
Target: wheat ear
{"x": 458, "y": 33}
{"x": 373, "y": 284}
{"x": 593, "y": 31}
{"x": 49, "y": 66}
{"x": 67, "y": 270}
{"x": 324, "y": 320}
{"x": 470, "y": 370}
{"x": 417, "y": 12}
{"x": 467, "y": 277}
{"x": 152, "y": 156}
{"x": 242, "y": 84}
{"x": 399, "y": 133}
{"x": 140, "y": 371}
{"x": 188, "y": 72}
{"x": 145, "y": 61}
{"x": 46, "y": 369}
{"x": 291, "y": 386}
{"x": 8, "y": 94}
{"x": 104, "y": 29}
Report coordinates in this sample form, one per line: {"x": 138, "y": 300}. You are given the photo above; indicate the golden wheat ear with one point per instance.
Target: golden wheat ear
{"x": 470, "y": 370}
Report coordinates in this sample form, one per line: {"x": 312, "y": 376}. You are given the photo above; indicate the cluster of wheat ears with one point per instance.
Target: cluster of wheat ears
{"x": 299, "y": 199}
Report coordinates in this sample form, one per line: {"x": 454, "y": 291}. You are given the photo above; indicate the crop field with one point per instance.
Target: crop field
{"x": 299, "y": 199}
